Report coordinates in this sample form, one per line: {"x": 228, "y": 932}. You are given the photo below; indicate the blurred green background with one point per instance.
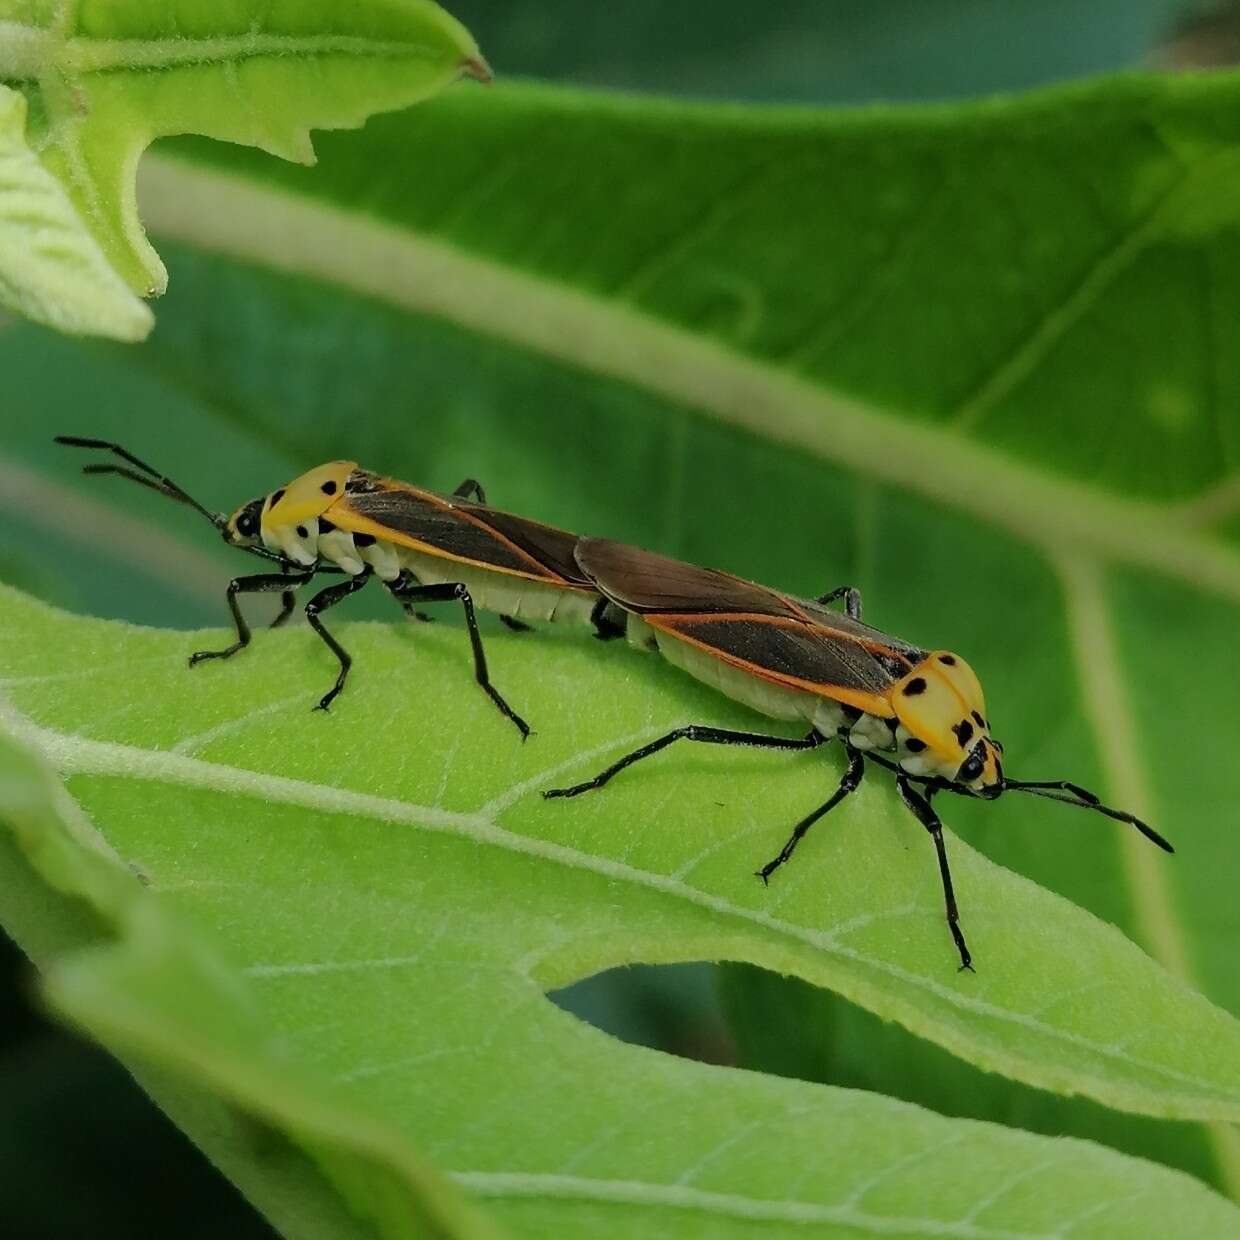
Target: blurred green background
{"x": 67, "y": 1113}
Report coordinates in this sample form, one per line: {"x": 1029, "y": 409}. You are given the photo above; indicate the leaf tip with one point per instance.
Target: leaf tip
{"x": 476, "y": 67}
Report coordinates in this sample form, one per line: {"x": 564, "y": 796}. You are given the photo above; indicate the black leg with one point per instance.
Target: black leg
{"x": 848, "y": 785}
{"x": 287, "y": 599}
{"x": 320, "y": 603}
{"x": 693, "y": 732}
{"x": 394, "y": 588}
{"x": 922, "y": 811}
{"x": 456, "y": 591}
{"x": 851, "y": 597}
{"x": 263, "y": 583}
{"x": 517, "y": 626}
{"x": 603, "y": 617}
{"x": 471, "y": 489}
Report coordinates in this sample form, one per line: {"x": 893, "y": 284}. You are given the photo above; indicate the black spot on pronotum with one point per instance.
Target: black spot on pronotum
{"x": 913, "y": 745}
{"x": 964, "y": 732}
{"x": 276, "y": 497}
{"x": 949, "y": 659}
{"x": 325, "y": 526}
{"x": 914, "y": 687}
{"x": 363, "y": 540}
{"x": 302, "y": 532}
{"x": 329, "y": 487}
{"x": 981, "y": 723}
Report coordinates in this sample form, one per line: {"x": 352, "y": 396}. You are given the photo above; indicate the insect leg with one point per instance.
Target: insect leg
{"x": 848, "y": 785}
{"x": 320, "y": 603}
{"x": 851, "y": 597}
{"x": 397, "y": 588}
{"x": 287, "y": 599}
{"x": 471, "y": 489}
{"x": 693, "y": 732}
{"x": 603, "y": 617}
{"x": 456, "y": 591}
{"x": 262, "y": 583}
{"x": 922, "y": 811}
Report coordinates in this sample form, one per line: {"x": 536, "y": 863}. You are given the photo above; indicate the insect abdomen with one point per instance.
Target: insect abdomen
{"x": 773, "y": 700}
{"x": 502, "y": 592}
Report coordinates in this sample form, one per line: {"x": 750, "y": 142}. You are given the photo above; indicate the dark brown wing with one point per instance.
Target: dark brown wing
{"x": 641, "y": 581}
{"x": 788, "y": 652}
{"x": 551, "y": 547}
{"x": 779, "y": 638}
{"x": 460, "y": 530}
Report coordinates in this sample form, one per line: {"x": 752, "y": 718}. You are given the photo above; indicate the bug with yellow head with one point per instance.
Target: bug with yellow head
{"x": 342, "y": 520}
{"x": 920, "y": 714}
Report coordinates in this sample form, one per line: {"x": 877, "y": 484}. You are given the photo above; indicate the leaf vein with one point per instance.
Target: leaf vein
{"x": 78, "y": 755}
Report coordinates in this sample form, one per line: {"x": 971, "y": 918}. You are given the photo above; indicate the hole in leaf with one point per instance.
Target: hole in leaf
{"x": 668, "y": 1007}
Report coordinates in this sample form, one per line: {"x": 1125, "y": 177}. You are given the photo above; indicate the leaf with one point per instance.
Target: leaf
{"x": 944, "y": 329}
{"x": 396, "y": 901}
{"x": 163, "y": 998}
{"x": 51, "y": 268}
{"x": 567, "y": 262}
{"x": 105, "y": 79}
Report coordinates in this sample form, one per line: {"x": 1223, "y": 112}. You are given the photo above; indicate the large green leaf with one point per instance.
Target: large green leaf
{"x": 160, "y": 995}
{"x": 639, "y": 270}
{"x": 391, "y": 897}
{"x": 105, "y": 78}
{"x": 962, "y": 305}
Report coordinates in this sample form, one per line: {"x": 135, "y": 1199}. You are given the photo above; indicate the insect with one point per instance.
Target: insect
{"x": 424, "y": 547}
{"x": 919, "y": 713}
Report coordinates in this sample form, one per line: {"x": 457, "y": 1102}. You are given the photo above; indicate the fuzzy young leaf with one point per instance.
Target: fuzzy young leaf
{"x": 51, "y": 268}
{"x": 105, "y": 79}
{"x": 396, "y": 897}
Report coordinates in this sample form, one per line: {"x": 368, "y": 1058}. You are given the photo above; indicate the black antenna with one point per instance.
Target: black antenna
{"x": 1083, "y": 799}
{"x": 149, "y": 477}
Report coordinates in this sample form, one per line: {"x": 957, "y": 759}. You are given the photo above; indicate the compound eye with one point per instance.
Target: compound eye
{"x": 247, "y": 526}
{"x": 972, "y": 768}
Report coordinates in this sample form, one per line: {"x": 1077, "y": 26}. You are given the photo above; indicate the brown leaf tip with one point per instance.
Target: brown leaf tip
{"x": 477, "y": 68}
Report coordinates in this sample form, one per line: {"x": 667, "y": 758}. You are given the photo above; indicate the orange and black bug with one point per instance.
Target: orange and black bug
{"x": 921, "y": 714}
{"x": 424, "y": 547}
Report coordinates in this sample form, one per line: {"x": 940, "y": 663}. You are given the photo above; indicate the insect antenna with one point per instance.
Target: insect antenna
{"x": 1070, "y": 794}
{"x": 149, "y": 477}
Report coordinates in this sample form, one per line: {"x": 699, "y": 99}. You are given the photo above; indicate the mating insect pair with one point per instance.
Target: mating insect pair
{"x": 920, "y": 714}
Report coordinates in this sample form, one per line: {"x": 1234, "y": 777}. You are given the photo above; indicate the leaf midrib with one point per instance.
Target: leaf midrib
{"x": 77, "y": 755}
{"x": 229, "y": 214}
{"x": 29, "y": 52}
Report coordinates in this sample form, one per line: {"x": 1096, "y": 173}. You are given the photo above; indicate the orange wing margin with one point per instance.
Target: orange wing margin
{"x": 872, "y": 702}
